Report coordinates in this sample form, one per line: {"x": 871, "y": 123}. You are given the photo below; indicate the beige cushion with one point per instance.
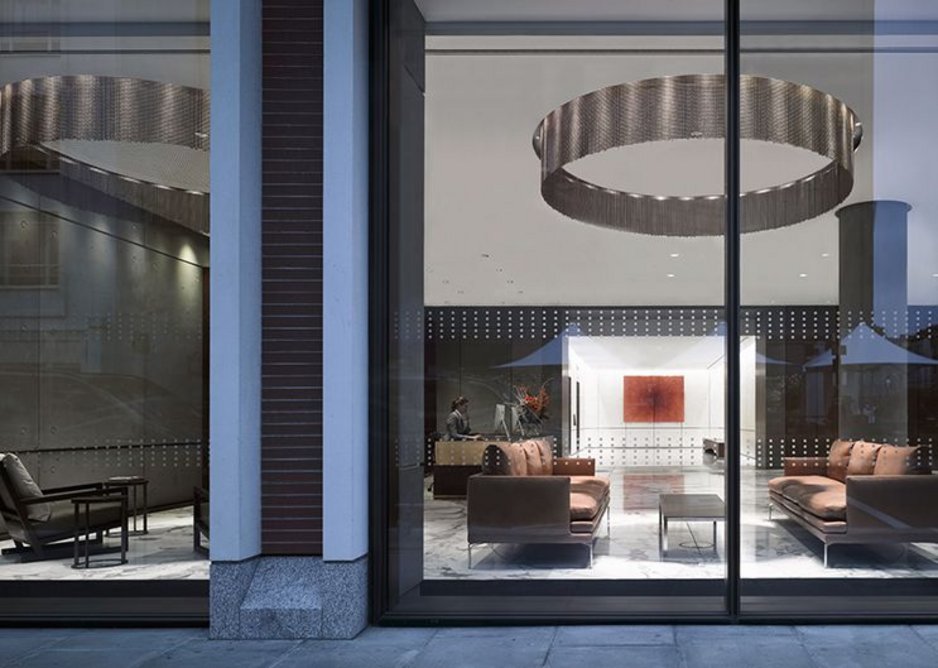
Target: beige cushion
{"x": 895, "y": 460}
{"x": 504, "y": 459}
{"x": 546, "y": 448}
{"x": 838, "y": 458}
{"x": 583, "y": 506}
{"x": 587, "y": 484}
{"x": 25, "y": 488}
{"x": 535, "y": 462}
{"x": 863, "y": 458}
{"x": 819, "y": 495}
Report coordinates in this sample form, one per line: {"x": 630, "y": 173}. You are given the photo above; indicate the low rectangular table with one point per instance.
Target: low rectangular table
{"x": 690, "y": 508}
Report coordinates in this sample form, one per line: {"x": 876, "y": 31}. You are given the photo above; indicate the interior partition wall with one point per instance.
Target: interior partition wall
{"x": 564, "y": 300}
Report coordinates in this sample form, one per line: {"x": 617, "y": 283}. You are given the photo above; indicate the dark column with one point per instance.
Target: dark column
{"x": 291, "y": 247}
{"x": 873, "y": 392}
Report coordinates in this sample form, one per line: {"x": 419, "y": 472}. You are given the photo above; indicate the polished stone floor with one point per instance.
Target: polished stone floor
{"x": 488, "y": 647}
{"x": 771, "y": 548}
{"x": 163, "y": 553}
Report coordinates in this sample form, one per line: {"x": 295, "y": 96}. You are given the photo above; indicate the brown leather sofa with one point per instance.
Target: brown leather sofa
{"x": 526, "y": 495}
{"x": 861, "y": 493}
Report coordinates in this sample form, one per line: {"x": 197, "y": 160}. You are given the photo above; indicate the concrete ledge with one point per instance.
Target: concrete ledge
{"x": 288, "y": 598}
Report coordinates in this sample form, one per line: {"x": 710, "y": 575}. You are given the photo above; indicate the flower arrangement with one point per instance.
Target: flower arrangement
{"x": 533, "y": 406}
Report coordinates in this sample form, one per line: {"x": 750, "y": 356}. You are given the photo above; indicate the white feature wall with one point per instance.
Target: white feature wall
{"x": 600, "y": 366}
{"x": 615, "y": 442}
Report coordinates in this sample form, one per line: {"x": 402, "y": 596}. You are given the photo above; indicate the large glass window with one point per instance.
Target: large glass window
{"x": 104, "y": 254}
{"x": 842, "y": 304}
{"x": 556, "y": 436}
{"x": 557, "y": 352}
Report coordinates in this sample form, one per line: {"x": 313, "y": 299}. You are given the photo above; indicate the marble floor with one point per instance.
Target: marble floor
{"x": 771, "y": 548}
{"x": 164, "y": 553}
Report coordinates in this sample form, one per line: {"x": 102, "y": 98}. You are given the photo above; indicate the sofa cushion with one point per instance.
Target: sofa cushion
{"x": 504, "y": 459}
{"x": 538, "y": 456}
{"x": 595, "y": 486}
{"x": 819, "y": 495}
{"x": 895, "y": 460}
{"x": 837, "y": 459}
{"x": 863, "y": 458}
{"x": 25, "y": 488}
{"x": 583, "y": 506}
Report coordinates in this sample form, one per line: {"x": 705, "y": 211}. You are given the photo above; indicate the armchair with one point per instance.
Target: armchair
{"x": 39, "y": 520}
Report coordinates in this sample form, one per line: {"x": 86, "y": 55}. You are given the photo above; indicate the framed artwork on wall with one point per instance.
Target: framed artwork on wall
{"x": 653, "y": 398}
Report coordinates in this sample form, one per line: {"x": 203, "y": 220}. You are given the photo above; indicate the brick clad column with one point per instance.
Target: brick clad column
{"x": 292, "y": 270}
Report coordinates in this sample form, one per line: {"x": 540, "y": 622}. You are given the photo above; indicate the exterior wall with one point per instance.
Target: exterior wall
{"x": 294, "y": 565}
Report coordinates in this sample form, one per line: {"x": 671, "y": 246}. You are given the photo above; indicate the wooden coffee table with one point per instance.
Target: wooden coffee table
{"x": 688, "y": 508}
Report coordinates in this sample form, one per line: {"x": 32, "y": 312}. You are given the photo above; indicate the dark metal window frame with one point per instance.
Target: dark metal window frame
{"x": 499, "y": 602}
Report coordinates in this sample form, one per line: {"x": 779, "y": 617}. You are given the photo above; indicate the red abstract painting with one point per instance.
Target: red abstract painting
{"x": 653, "y": 399}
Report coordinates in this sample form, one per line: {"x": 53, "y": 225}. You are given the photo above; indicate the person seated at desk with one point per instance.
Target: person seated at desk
{"x": 457, "y": 424}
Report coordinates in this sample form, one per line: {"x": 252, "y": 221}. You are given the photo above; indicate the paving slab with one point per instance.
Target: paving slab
{"x": 600, "y": 636}
{"x": 743, "y": 647}
{"x": 223, "y": 654}
{"x": 452, "y": 648}
{"x": 622, "y": 656}
{"x": 868, "y": 646}
{"x": 350, "y": 654}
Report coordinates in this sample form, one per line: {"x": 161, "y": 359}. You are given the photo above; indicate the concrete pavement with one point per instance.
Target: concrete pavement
{"x": 903, "y": 646}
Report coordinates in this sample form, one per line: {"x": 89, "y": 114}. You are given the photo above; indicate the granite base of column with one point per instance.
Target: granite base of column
{"x": 288, "y": 598}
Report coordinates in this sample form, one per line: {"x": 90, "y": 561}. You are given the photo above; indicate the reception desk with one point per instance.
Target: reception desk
{"x": 454, "y": 462}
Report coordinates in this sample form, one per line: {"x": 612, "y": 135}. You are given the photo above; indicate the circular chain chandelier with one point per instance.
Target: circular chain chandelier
{"x": 691, "y": 106}
{"x": 44, "y": 110}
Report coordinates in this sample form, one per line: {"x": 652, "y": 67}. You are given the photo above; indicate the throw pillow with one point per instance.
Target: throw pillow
{"x": 838, "y": 458}
{"x": 895, "y": 460}
{"x": 863, "y": 458}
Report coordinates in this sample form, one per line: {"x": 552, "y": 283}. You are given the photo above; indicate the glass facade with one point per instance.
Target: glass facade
{"x": 565, "y": 415}
{"x": 104, "y": 265}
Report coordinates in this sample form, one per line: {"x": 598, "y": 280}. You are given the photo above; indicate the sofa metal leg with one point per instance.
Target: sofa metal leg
{"x": 825, "y": 555}
{"x": 470, "y": 555}
{"x": 591, "y": 553}
{"x": 770, "y": 510}
{"x": 608, "y": 524}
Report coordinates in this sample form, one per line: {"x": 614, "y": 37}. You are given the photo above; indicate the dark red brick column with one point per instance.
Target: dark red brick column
{"x": 291, "y": 386}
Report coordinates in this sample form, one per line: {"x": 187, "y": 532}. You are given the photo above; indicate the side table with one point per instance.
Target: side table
{"x": 133, "y": 483}
{"x": 85, "y": 503}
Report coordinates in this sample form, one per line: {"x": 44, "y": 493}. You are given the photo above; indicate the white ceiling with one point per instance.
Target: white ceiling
{"x": 673, "y": 10}
{"x": 491, "y": 240}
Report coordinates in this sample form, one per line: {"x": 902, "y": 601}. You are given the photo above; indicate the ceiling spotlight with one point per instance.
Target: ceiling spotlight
{"x": 934, "y": 275}
{"x": 802, "y": 275}
{"x": 670, "y": 275}
{"x": 675, "y": 255}
{"x": 825, "y": 254}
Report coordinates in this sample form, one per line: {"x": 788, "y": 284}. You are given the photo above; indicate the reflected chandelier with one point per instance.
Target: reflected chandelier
{"x": 691, "y": 106}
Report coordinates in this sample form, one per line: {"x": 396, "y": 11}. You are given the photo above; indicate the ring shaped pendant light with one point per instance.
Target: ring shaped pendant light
{"x": 692, "y": 107}
{"x": 88, "y": 107}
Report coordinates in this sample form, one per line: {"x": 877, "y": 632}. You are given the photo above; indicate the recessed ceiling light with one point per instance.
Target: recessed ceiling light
{"x": 825, "y": 254}
{"x": 934, "y": 275}
{"x": 675, "y": 255}
{"x": 670, "y": 275}
{"x": 802, "y": 275}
